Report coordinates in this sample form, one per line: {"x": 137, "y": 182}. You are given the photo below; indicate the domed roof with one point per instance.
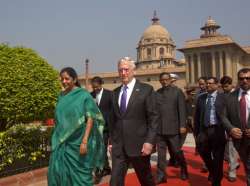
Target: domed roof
{"x": 156, "y": 31}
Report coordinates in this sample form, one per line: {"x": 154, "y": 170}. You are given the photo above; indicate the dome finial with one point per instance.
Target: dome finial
{"x": 155, "y": 19}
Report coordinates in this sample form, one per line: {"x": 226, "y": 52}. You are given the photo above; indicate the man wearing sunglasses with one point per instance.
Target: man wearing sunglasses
{"x": 236, "y": 118}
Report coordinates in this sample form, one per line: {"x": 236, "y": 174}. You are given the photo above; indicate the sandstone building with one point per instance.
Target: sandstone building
{"x": 212, "y": 54}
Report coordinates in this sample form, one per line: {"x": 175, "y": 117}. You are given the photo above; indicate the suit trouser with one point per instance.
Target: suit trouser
{"x": 211, "y": 146}
{"x": 244, "y": 153}
{"x": 232, "y": 156}
{"x": 141, "y": 166}
{"x": 173, "y": 143}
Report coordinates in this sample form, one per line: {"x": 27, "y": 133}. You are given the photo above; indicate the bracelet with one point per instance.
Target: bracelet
{"x": 84, "y": 141}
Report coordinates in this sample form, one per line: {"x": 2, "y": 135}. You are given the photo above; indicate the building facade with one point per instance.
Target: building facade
{"x": 155, "y": 54}
{"x": 214, "y": 54}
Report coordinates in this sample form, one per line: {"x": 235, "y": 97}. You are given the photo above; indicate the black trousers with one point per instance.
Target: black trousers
{"x": 243, "y": 148}
{"x": 173, "y": 142}
{"x": 211, "y": 146}
{"x": 141, "y": 165}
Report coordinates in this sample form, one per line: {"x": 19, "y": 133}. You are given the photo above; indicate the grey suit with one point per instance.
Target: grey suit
{"x": 231, "y": 119}
{"x": 129, "y": 131}
{"x": 172, "y": 108}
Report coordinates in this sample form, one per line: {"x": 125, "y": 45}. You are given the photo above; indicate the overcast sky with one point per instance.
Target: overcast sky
{"x": 66, "y": 32}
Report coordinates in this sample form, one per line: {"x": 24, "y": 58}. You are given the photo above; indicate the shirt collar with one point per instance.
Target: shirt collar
{"x": 214, "y": 94}
{"x": 241, "y": 90}
{"x": 100, "y": 93}
{"x": 131, "y": 84}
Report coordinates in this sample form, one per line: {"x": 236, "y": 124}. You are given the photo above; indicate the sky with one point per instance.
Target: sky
{"x": 67, "y": 32}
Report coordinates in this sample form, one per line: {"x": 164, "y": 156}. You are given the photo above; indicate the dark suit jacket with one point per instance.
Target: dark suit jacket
{"x": 199, "y": 119}
{"x": 231, "y": 116}
{"x": 137, "y": 125}
{"x": 172, "y": 108}
{"x": 105, "y": 105}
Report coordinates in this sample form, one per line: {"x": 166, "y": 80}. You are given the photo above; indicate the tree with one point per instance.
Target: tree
{"x": 28, "y": 86}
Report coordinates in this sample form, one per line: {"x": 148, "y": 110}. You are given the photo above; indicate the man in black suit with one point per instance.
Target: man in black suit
{"x": 103, "y": 98}
{"x": 132, "y": 127}
{"x": 209, "y": 130}
{"x": 171, "y": 105}
{"x": 236, "y": 118}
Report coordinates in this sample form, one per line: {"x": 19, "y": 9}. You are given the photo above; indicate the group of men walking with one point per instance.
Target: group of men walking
{"x": 138, "y": 119}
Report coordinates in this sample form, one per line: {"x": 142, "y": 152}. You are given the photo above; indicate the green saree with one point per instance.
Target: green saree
{"x": 67, "y": 167}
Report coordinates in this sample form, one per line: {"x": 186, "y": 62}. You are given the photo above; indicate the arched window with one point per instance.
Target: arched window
{"x": 161, "y": 51}
{"x": 149, "y": 52}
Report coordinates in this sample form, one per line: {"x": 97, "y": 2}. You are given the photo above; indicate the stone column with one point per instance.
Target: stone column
{"x": 187, "y": 69}
{"x": 213, "y": 64}
{"x": 228, "y": 65}
{"x": 192, "y": 69}
{"x": 221, "y": 65}
{"x": 199, "y": 64}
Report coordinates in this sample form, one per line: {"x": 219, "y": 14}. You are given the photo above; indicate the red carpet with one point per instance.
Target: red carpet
{"x": 196, "y": 178}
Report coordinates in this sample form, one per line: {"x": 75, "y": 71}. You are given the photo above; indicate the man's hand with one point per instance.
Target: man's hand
{"x": 236, "y": 133}
{"x": 183, "y": 130}
{"x": 110, "y": 148}
{"x": 146, "y": 149}
{"x": 247, "y": 133}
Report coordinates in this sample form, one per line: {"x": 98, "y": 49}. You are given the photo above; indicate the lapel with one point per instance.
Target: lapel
{"x": 236, "y": 102}
{"x": 203, "y": 103}
{"x": 116, "y": 99}
{"x": 135, "y": 92}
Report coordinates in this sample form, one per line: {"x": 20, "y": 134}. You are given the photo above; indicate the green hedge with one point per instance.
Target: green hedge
{"x": 29, "y": 86}
{"x": 24, "y": 145}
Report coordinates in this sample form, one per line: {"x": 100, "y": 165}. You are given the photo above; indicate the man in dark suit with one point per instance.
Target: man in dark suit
{"x": 103, "y": 98}
{"x": 209, "y": 130}
{"x": 132, "y": 127}
{"x": 171, "y": 105}
{"x": 236, "y": 118}
{"x": 231, "y": 154}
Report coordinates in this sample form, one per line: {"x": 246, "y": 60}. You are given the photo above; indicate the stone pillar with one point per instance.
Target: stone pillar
{"x": 187, "y": 69}
{"x": 199, "y": 64}
{"x": 192, "y": 69}
{"x": 213, "y": 64}
{"x": 221, "y": 65}
{"x": 228, "y": 65}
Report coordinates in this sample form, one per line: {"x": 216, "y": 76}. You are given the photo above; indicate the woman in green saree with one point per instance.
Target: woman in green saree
{"x": 77, "y": 146}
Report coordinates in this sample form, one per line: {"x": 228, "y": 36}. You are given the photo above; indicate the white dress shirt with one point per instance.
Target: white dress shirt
{"x": 98, "y": 97}
{"x": 130, "y": 88}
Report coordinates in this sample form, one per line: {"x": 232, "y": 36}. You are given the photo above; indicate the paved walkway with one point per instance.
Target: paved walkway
{"x": 41, "y": 179}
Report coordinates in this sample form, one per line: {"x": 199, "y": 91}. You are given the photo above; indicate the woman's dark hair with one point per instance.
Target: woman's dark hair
{"x": 72, "y": 73}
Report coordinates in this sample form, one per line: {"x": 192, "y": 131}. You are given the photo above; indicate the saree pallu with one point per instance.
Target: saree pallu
{"x": 67, "y": 167}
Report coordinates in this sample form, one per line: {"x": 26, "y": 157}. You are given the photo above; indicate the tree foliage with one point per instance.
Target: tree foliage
{"x": 28, "y": 86}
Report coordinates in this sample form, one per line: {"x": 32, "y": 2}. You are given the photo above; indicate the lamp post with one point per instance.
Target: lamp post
{"x": 87, "y": 74}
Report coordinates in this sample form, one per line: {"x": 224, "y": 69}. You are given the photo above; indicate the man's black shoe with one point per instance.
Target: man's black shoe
{"x": 231, "y": 179}
{"x": 161, "y": 180}
{"x": 97, "y": 179}
{"x": 210, "y": 178}
{"x": 106, "y": 172}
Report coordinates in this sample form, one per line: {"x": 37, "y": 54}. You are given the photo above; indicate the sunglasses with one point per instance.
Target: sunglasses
{"x": 244, "y": 78}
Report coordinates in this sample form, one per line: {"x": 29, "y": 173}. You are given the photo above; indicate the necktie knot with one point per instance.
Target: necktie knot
{"x": 244, "y": 93}
{"x": 125, "y": 87}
